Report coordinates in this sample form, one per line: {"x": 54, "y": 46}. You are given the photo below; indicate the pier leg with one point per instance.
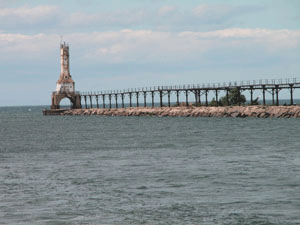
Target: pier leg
{"x": 199, "y": 97}
{"x": 187, "y": 97}
{"x": 91, "y": 102}
{"x": 251, "y": 94}
{"x": 145, "y": 95}
{"x": 130, "y": 99}
{"x": 196, "y": 97}
{"x": 177, "y": 93}
{"x": 103, "y": 98}
{"x": 227, "y": 96}
{"x": 137, "y": 99}
{"x": 109, "y": 96}
{"x": 160, "y": 97}
{"x": 277, "y": 98}
{"x": 273, "y": 98}
{"x": 122, "y": 96}
{"x": 206, "y": 99}
{"x": 169, "y": 102}
{"x": 264, "y": 94}
{"x": 217, "y": 100}
{"x": 97, "y": 101}
{"x": 116, "y": 97}
{"x": 85, "y": 102}
{"x": 292, "y": 100}
{"x": 152, "y": 95}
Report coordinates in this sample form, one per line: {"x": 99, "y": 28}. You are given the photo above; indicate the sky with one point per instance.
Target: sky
{"x": 120, "y": 44}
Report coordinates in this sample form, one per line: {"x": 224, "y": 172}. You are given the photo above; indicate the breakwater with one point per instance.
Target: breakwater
{"x": 189, "y": 111}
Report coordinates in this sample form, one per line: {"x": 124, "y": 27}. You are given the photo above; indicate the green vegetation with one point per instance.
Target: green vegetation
{"x": 214, "y": 102}
{"x": 234, "y": 98}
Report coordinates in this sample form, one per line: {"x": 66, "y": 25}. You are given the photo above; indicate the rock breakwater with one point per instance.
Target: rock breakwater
{"x": 191, "y": 111}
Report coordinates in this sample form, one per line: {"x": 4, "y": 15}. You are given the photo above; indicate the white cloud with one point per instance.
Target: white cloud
{"x": 274, "y": 39}
{"x": 26, "y": 15}
{"x": 148, "y": 46}
{"x": 18, "y": 47}
{"x": 47, "y": 18}
{"x": 168, "y": 17}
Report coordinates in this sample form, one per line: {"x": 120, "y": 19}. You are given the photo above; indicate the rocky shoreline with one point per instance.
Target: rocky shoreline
{"x": 191, "y": 111}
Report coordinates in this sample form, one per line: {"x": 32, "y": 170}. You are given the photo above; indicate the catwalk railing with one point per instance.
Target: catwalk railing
{"x": 271, "y": 86}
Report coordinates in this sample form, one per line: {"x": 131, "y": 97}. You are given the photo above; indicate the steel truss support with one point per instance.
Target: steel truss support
{"x": 291, "y": 91}
{"x": 277, "y": 92}
{"x": 177, "y": 95}
{"x": 103, "y": 98}
{"x": 152, "y": 96}
{"x": 187, "y": 97}
{"x": 251, "y": 94}
{"x": 91, "y": 101}
{"x": 122, "y": 96}
{"x": 206, "y": 98}
{"x": 264, "y": 94}
{"x": 116, "y": 98}
{"x": 85, "y": 102}
{"x": 217, "y": 100}
{"x": 97, "y": 101}
{"x": 130, "y": 99}
{"x": 137, "y": 99}
{"x": 169, "y": 101}
{"x": 145, "y": 95}
{"x": 109, "y": 97}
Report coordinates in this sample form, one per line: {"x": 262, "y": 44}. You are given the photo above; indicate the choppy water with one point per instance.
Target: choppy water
{"x": 118, "y": 170}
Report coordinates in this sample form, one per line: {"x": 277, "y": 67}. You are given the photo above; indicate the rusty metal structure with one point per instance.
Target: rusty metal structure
{"x": 65, "y": 86}
{"x": 272, "y": 87}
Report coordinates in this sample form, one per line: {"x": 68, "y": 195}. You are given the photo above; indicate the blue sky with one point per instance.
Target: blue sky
{"x": 121, "y": 44}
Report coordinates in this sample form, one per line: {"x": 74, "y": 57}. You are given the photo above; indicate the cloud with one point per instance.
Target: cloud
{"x": 167, "y": 17}
{"x": 20, "y": 47}
{"x": 147, "y": 46}
{"x": 271, "y": 39}
{"x": 16, "y": 18}
{"x": 46, "y": 18}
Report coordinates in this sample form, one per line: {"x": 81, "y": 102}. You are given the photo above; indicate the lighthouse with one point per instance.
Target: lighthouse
{"x": 65, "y": 84}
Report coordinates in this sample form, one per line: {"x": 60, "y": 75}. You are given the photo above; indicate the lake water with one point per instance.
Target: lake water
{"x": 147, "y": 170}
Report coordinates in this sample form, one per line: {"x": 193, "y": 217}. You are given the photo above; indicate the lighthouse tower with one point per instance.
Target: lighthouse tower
{"x": 65, "y": 84}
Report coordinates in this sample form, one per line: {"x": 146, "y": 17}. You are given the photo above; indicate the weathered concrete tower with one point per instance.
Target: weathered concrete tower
{"x": 65, "y": 86}
{"x": 65, "y": 82}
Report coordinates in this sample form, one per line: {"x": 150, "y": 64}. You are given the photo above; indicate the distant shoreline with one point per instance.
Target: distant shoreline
{"x": 187, "y": 111}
